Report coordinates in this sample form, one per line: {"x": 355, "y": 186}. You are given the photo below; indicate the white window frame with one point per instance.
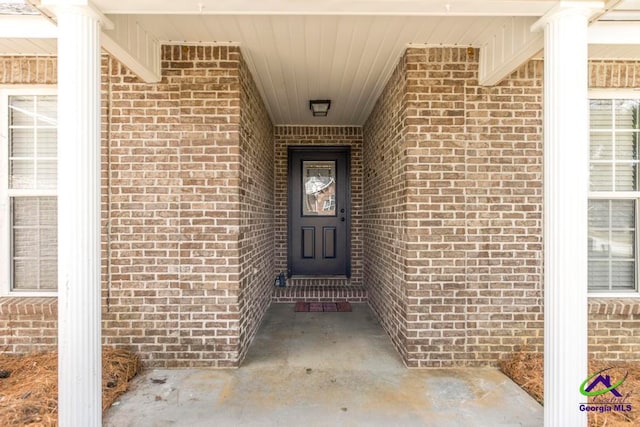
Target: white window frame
{"x": 613, "y": 94}
{"x": 5, "y": 217}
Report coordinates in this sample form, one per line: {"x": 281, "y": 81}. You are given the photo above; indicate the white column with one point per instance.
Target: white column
{"x": 566, "y": 178}
{"x": 79, "y": 316}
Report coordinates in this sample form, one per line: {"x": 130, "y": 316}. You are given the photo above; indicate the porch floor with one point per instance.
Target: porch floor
{"x": 320, "y": 369}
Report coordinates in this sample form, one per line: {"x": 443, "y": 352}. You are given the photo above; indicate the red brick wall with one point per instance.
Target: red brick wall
{"x": 384, "y": 219}
{"x": 257, "y": 256}
{"x": 174, "y": 209}
{"x": 187, "y": 221}
{"x": 435, "y": 213}
{"x": 28, "y": 324}
{"x": 141, "y": 198}
{"x": 23, "y": 70}
{"x": 609, "y": 74}
{"x": 466, "y": 278}
{"x": 470, "y": 250}
{"x": 503, "y": 198}
{"x": 197, "y": 202}
{"x": 614, "y": 328}
{"x": 447, "y": 196}
{"x": 286, "y": 136}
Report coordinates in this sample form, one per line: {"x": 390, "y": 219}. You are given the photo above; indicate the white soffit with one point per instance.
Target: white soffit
{"x": 27, "y": 34}
{"x": 616, "y": 35}
{"x": 614, "y": 51}
{"x": 28, "y": 47}
{"x": 330, "y": 7}
{"x": 615, "y": 32}
{"x": 347, "y": 59}
{"x": 343, "y": 50}
{"x": 624, "y": 10}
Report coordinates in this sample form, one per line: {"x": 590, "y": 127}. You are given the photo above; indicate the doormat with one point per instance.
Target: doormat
{"x": 319, "y": 307}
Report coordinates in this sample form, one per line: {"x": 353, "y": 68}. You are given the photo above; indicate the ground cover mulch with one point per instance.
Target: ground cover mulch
{"x": 527, "y": 370}
{"x": 29, "y": 385}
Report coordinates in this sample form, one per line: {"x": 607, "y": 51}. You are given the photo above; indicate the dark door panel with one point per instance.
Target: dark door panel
{"x": 329, "y": 242}
{"x": 308, "y": 242}
{"x": 319, "y": 195}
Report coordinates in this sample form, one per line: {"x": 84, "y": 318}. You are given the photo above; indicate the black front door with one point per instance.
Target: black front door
{"x": 319, "y": 211}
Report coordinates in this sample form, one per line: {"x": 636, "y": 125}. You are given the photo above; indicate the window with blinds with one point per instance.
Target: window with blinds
{"x": 613, "y": 199}
{"x": 31, "y": 189}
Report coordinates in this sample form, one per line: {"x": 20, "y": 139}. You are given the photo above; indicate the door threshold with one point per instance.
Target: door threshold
{"x": 308, "y": 276}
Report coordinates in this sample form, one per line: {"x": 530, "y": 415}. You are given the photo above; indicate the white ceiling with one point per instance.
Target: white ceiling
{"x": 299, "y": 50}
{"x": 623, "y": 10}
{"x": 330, "y": 7}
{"x": 615, "y": 51}
{"x": 19, "y": 46}
{"x": 346, "y": 59}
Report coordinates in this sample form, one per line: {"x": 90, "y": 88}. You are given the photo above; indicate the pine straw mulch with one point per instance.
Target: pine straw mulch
{"x": 526, "y": 370}
{"x": 29, "y": 385}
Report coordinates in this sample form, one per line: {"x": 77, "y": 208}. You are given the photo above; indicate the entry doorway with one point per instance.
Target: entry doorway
{"x": 319, "y": 211}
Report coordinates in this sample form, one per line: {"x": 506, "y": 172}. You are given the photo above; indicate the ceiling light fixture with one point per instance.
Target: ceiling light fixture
{"x": 320, "y": 107}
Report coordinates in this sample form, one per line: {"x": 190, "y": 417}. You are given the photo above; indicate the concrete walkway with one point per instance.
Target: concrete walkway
{"x": 324, "y": 369}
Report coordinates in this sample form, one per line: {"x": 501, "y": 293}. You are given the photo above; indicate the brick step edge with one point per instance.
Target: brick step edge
{"x": 319, "y": 294}
{"x": 307, "y": 282}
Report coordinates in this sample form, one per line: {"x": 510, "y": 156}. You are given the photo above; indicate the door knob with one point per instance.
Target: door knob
{"x": 342, "y": 219}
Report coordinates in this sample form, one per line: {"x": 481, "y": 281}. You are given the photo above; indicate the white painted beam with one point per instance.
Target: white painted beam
{"x": 566, "y": 180}
{"x": 507, "y": 49}
{"x": 134, "y": 46}
{"x": 27, "y": 26}
{"x": 614, "y": 32}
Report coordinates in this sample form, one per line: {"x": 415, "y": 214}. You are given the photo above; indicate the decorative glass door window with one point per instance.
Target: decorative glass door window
{"x": 319, "y": 186}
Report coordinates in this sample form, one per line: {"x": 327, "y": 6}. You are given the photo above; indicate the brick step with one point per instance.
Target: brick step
{"x": 322, "y": 293}
{"x": 319, "y": 281}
